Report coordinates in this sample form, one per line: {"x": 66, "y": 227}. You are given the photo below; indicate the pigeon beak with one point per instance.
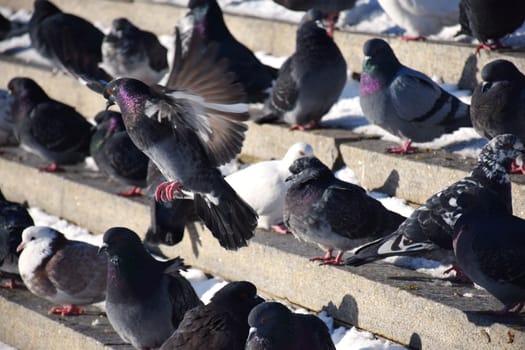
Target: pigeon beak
{"x": 289, "y": 178}
{"x": 251, "y": 333}
{"x": 485, "y": 86}
{"x": 109, "y": 103}
{"x": 20, "y": 247}
{"x": 103, "y": 248}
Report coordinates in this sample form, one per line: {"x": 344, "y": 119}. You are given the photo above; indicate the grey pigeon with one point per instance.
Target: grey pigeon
{"x": 128, "y": 51}
{"x": 334, "y": 214}
{"x": 14, "y": 218}
{"x": 405, "y": 102}
{"x": 146, "y": 298}
{"x": 48, "y": 128}
{"x": 208, "y": 23}
{"x": 189, "y": 130}
{"x": 310, "y": 81}
{"x": 498, "y": 102}
{"x": 220, "y": 325}
{"x": 489, "y": 245}
{"x": 274, "y": 327}
{"x": 116, "y": 155}
{"x": 60, "y": 270}
{"x": 329, "y": 8}
{"x": 71, "y": 42}
{"x": 490, "y": 20}
{"x": 430, "y": 227}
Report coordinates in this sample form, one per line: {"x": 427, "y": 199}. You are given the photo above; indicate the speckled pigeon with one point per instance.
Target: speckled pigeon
{"x": 405, "y": 102}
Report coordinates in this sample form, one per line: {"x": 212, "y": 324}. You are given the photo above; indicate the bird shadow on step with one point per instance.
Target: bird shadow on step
{"x": 347, "y": 312}
{"x": 486, "y": 319}
{"x": 390, "y": 185}
{"x": 194, "y": 237}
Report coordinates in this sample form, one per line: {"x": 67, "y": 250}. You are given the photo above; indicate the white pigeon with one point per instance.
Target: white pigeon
{"x": 421, "y": 18}
{"x": 263, "y": 187}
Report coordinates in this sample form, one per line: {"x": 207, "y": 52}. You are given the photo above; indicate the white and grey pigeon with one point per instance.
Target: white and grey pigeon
{"x": 128, "y": 51}
{"x": 423, "y": 17}
{"x": 430, "y": 227}
{"x": 146, "y": 298}
{"x": 263, "y": 186}
{"x": 310, "y": 81}
{"x": 331, "y": 213}
{"x": 187, "y": 130}
{"x": 62, "y": 271}
{"x": 405, "y": 102}
{"x": 489, "y": 245}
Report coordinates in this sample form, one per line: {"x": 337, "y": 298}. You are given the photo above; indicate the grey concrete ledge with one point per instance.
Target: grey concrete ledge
{"x": 399, "y": 304}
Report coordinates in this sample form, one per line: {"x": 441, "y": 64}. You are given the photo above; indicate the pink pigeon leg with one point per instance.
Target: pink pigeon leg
{"x": 406, "y": 148}
{"x": 133, "y": 192}
{"x": 280, "y": 229}
{"x": 53, "y": 168}
{"x": 67, "y": 310}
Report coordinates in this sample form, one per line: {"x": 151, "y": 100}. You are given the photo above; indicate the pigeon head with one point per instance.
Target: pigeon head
{"x": 497, "y": 156}
{"x": 107, "y": 116}
{"x": 130, "y": 94}
{"x": 307, "y": 168}
{"x": 498, "y": 71}
{"x": 269, "y": 322}
{"x": 121, "y": 243}
{"x": 121, "y": 27}
{"x": 297, "y": 150}
{"x": 14, "y": 221}
{"x": 242, "y": 295}
{"x": 27, "y": 89}
{"x": 40, "y": 237}
{"x": 379, "y": 58}
{"x": 44, "y": 8}
{"x": 208, "y": 19}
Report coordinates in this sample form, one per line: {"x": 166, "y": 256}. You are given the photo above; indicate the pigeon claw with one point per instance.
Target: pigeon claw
{"x": 66, "y": 310}
{"x": 168, "y": 190}
{"x": 517, "y": 169}
{"x": 460, "y": 276}
{"x": 10, "y": 284}
{"x": 496, "y": 45}
{"x": 329, "y": 259}
{"x": 314, "y": 124}
{"x": 413, "y": 38}
{"x": 406, "y": 148}
{"x": 133, "y": 192}
{"x": 53, "y": 168}
{"x": 281, "y": 229}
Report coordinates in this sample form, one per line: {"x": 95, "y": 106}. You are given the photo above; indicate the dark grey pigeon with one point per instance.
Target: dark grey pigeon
{"x": 489, "y": 245}
{"x": 405, "y": 102}
{"x": 498, "y": 102}
{"x": 220, "y": 325}
{"x": 128, "y": 51}
{"x": 116, "y": 155}
{"x": 208, "y": 23}
{"x": 167, "y": 219}
{"x": 430, "y": 227}
{"x": 48, "y": 128}
{"x": 310, "y": 81}
{"x": 71, "y": 42}
{"x": 490, "y": 20}
{"x": 188, "y": 130}
{"x": 274, "y": 327}
{"x": 334, "y": 214}
{"x": 14, "y": 218}
{"x": 330, "y": 8}
{"x": 146, "y": 298}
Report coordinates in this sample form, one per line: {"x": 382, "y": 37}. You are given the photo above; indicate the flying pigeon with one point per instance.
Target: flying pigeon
{"x": 489, "y": 21}
{"x": 48, "y": 128}
{"x": 274, "y": 327}
{"x": 187, "y": 131}
{"x": 430, "y": 227}
{"x": 71, "y": 42}
{"x": 310, "y": 81}
{"x": 334, "y": 214}
{"x": 421, "y": 18}
{"x": 62, "y": 271}
{"x": 330, "y": 8}
{"x": 208, "y": 23}
{"x": 116, "y": 155}
{"x": 262, "y": 185}
{"x": 146, "y": 298}
{"x": 489, "y": 245}
{"x": 14, "y": 218}
{"x": 406, "y": 102}
{"x": 128, "y": 51}
{"x": 220, "y": 325}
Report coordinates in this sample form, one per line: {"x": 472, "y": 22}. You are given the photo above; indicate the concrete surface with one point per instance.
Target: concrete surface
{"x": 403, "y": 305}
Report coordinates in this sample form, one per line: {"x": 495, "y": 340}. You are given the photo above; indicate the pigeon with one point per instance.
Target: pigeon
{"x": 498, "y": 102}
{"x": 220, "y": 325}
{"x": 310, "y": 81}
{"x": 490, "y": 20}
{"x": 405, "y": 102}
{"x": 274, "y": 327}
{"x": 60, "y": 270}
{"x": 489, "y": 245}
{"x": 69, "y": 41}
{"x": 189, "y": 130}
{"x": 116, "y": 155}
{"x": 48, "y": 128}
{"x": 263, "y": 187}
{"x": 334, "y": 214}
{"x": 146, "y": 298}
{"x": 330, "y": 8}
{"x": 421, "y": 18}
{"x": 167, "y": 219}
{"x": 208, "y": 23}
{"x": 128, "y": 51}
{"x": 430, "y": 227}
{"x": 14, "y": 218}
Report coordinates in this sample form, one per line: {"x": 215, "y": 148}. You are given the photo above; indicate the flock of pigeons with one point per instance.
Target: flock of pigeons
{"x": 172, "y": 137}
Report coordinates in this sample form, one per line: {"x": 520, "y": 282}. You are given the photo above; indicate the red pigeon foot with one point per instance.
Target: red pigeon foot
{"x": 53, "y": 168}
{"x": 165, "y": 191}
{"x": 280, "y": 229}
{"x": 134, "y": 192}
{"x": 490, "y": 47}
{"x": 413, "y": 38}
{"x": 67, "y": 310}
{"x": 460, "y": 277}
{"x": 10, "y": 284}
{"x": 406, "y": 148}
